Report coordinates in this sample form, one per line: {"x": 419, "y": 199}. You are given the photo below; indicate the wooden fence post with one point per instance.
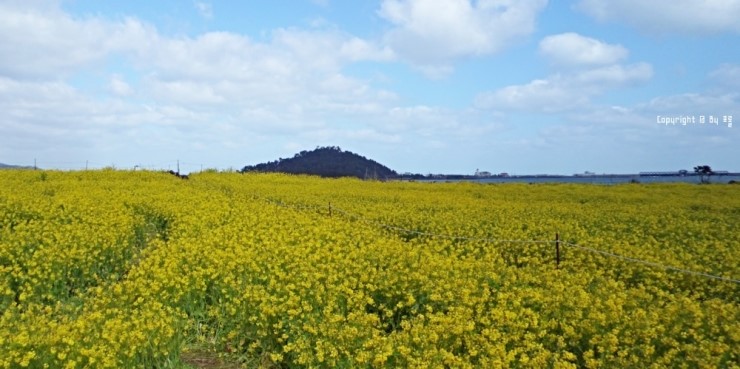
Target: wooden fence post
{"x": 557, "y": 251}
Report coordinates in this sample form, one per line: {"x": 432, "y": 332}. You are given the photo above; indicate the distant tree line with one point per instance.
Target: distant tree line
{"x": 329, "y": 161}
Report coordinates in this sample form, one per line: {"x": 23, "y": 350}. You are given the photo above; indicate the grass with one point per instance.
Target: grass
{"x": 201, "y": 358}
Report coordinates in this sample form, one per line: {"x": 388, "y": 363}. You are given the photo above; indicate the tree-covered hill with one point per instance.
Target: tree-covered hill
{"x": 327, "y": 162}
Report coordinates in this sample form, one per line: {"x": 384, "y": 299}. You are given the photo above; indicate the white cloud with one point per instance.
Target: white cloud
{"x": 186, "y": 81}
{"x": 572, "y": 49}
{"x": 367, "y": 134}
{"x": 204, "y": 9}
{"x": 726, "y": 75}
{"x": 296, "y": 67}
{"x": 694, "y": 104}
{"x": 44, "y": 117}
{"x": 436, "y": 72}
{"x": 638, "y": 124}
{"x": 356, "y": 49}
{"x": 222, "y": 95}
{"x": 547, "y": 95}
{"x": 187, "y": 92}
{"x": 216, "y": 89}
{"x": 46, "y": 41}
{"x": 429, "y": 124}
{"x": 613, "y": 76}
{"x": 119, "y": 87}
{"x": 627, "y": 136}
{"x": 430, "y": 33}
{"x": 328, "y": 49}
{"x": 668, "y": 16}
{"x": 566, "y": 91}
{"x": 588, "y": 68}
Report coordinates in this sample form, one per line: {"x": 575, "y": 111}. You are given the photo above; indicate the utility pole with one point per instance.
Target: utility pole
{"x": 34, "y": 164}
{"x": 178, "y": 166}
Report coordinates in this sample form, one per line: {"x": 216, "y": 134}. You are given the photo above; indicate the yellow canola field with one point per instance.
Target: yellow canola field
{"x": 116, "y": 269}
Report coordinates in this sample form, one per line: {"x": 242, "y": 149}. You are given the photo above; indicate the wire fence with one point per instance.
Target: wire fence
{"x": 184, "y": 166}
{"x": 331, "y": 209}
{"x": 334, "y": 209}
{"x": 649, "y": 263}
{"x": 436, "y": 235}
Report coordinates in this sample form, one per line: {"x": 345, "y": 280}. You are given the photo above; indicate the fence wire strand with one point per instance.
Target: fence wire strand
{"x": 333, "y": 208}
{"x": 649, "y": 263}
{"x": 429, "y": 234}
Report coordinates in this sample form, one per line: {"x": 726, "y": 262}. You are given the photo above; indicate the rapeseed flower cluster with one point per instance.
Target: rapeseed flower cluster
{"x": 116, "y": 269}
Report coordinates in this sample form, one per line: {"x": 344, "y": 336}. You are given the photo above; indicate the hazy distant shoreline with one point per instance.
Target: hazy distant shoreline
{"x": 596, "y": 179}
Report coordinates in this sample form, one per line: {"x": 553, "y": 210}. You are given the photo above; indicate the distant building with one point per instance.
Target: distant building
{"x": 681, "y": 172}
{"x": 482, "y": 174}
{"x": 585, "y": 174}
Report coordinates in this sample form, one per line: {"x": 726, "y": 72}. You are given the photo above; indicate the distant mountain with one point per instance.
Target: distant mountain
{"x": 8, "y": 166}
{"x": 327, "y": 162}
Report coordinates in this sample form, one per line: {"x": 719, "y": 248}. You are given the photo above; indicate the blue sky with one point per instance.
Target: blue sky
{"x": 443, "y": 86}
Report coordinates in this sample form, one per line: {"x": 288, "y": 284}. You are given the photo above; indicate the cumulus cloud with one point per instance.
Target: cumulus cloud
{"x": 586, "y": 67}
{"x": 52, "y": 119}
{"x": 328, "y": 49}
{"x": 295, "y": 68}
{"x": 572, "y": 49}
{"x": 211, "y": 68}
{"x": 214, "y": 89}
{"x": 46, "y": 42}
{"x": 432, "y": 33}
{"x": 547, "y": 95}
{"x": 564, "y": 91}
{"x": 614, "y": 76}
{"x": 186, "y": 81}
{"x": 633, "y": 132}
{"x": 668, "y": 16}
